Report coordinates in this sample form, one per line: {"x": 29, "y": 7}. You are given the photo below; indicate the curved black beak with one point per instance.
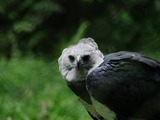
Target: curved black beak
{"x": 78, "y": 62}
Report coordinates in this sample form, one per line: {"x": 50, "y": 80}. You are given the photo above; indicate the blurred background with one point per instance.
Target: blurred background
{"x": 33, "y": 34}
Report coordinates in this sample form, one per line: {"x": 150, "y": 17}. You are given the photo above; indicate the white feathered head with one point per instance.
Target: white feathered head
{"x": 78, "y": 60}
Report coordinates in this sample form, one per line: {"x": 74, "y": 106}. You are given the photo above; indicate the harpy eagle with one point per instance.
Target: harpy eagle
{"x": 119, "y": 86}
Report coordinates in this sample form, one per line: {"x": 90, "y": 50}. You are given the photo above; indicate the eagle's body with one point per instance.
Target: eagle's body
{"x": 129, "y": 84}
{"x": 119, "y": 86}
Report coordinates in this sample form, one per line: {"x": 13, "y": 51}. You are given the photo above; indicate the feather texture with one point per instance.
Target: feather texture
{"x": 128, "y": 83}
{"x": 120, "y": 86}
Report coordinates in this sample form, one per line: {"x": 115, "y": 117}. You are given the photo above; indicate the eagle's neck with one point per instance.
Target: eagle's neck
{"x": 79, "y": 88}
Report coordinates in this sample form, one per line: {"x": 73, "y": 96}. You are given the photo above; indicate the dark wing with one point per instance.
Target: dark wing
{"x": 128, "y": 83}
{"x": 79, "y": 88}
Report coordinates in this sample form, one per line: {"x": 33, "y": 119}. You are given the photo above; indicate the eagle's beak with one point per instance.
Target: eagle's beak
{"x": 78, "y": 62}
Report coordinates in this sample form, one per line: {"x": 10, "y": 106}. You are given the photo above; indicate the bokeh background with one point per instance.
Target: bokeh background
{"x": 33, "y": 34}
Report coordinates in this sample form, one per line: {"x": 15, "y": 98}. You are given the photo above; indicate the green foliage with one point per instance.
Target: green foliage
{"x": 75, "y": 38}
{"x": 80, "y": 33}
{"x": 22, "y": 24}
{"x": 32, "y": 89}
{"x": 40, "y": 27}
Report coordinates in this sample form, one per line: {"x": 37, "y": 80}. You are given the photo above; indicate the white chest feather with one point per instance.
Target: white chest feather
{"x": 89, "y": 108}
{"x": 104, "y": 111}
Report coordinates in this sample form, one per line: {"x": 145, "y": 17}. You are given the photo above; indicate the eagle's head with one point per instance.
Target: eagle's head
{"x": 80, "y": 59}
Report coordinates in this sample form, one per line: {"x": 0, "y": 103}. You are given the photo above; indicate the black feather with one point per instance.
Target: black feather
{"x": 129, "y": 84}
{"x": 79, "y": 88}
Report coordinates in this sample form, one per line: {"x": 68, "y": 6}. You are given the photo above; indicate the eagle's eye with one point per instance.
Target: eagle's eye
{"x": 86, "y": 58}
{"x": 71, "y": 58}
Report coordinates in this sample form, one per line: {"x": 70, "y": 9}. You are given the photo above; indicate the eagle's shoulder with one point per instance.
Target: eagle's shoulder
{"x": 131, "y": 56}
